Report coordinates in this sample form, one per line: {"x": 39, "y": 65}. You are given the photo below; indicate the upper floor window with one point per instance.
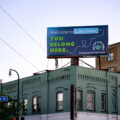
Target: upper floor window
{"x": 25, "y": 105}
{"x": 110, "y": 57}
{"x": 36, "y": 104}
{"x": 103, "y": 102}
{"x": 79, "y": 99}
{"x": 59, "y": 101}
{"x": 111, "y": 69}
{"x": 90, "y": 100}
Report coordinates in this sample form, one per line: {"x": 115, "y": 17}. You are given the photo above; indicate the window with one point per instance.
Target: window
{"x": 25, "y": 105}
{"x": 8, "y": 104}
{"x": 111, "y": 69}
{"x": 59, "y": 101}
{"x": 39, "y": 104}
{"x": 90, "y": 100}
{"x": 103, "y": 101}
{"x": 36, "y": 104}
{"x": 79, "y": 99}
{"x": 110, "y": 57}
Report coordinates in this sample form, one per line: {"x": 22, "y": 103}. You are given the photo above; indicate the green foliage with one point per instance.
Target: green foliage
{"x": 8, "y": 109}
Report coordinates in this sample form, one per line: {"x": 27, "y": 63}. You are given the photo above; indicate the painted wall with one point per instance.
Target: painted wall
{"x": 48, "y": 84}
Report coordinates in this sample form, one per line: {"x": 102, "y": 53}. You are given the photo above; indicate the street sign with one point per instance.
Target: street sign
{"x": 78, "y": 41}
{"x": 3, "y": 98}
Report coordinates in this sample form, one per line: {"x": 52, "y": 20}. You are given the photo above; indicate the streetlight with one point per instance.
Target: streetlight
{"x": 10, "y": 73}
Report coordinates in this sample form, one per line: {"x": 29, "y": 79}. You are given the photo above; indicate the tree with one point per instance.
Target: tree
{"x": 8, "y": 109}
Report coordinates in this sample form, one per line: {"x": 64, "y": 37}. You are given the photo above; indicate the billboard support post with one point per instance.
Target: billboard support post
{"x": 74, "y": 61}
{"x": 99, "y": 63}
{"x": 56, "y": 63}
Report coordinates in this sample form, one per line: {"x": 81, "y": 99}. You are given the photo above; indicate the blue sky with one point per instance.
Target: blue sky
{"x": 35, "y": 16}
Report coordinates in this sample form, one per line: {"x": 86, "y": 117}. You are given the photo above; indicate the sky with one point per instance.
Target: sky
{"x": 23, "y": 29}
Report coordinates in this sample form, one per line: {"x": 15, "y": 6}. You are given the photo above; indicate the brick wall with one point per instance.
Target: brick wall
{"x": 115, "y": 63}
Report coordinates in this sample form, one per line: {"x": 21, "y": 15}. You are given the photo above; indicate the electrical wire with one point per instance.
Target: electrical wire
{"x": 30, "y": 36}
{"x": 21, "y": 27}
{"x": 13, "y": 49}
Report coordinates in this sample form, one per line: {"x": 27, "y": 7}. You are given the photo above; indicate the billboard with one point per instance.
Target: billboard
{"x": 79, "y": 41}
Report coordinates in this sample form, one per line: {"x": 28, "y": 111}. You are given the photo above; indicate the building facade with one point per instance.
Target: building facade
{"x": 112, "y": 62}
{"x": 47, "y": 96}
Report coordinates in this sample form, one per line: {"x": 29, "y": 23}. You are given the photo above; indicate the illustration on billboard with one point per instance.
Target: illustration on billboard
{"x": 77, "y": 41}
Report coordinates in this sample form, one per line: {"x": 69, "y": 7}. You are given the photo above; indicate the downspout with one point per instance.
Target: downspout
{"x": 76, "y": 103}
{"x": 47, "y": 93}
{"x": 107, "y": 93}
{"x": 117, "y": 97}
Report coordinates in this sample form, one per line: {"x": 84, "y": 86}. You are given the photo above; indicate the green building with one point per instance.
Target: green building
{"x": 47, "y": 96}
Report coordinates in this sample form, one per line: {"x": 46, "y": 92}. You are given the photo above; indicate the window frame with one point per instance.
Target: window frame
{"x": 57, "y": 102}
{"x": 111, "y": 69}
{"x": 9, "y": 104}
{"x": 90, "y": 101}
{"x": 39, "y": 104}
{"x": 110, "y": 57}
{"x": 33, "y": 104}
{"x": 79, "y": 100}
{"x": 25, "y": 110}
{"x": 103, "y": 102}
{"x": 37, "y": 110}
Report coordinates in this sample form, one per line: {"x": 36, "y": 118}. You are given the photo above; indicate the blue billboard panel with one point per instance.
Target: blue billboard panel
{"x": 3, "y": 98}
{"x": 77, "y": 41}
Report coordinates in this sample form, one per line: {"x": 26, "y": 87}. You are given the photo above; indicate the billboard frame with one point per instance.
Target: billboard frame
{"x": 78, "y": 31}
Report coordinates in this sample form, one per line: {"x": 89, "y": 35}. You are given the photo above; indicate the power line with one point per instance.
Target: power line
{"x": 28, "y": 34}
{"x": 13, "y": 49}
